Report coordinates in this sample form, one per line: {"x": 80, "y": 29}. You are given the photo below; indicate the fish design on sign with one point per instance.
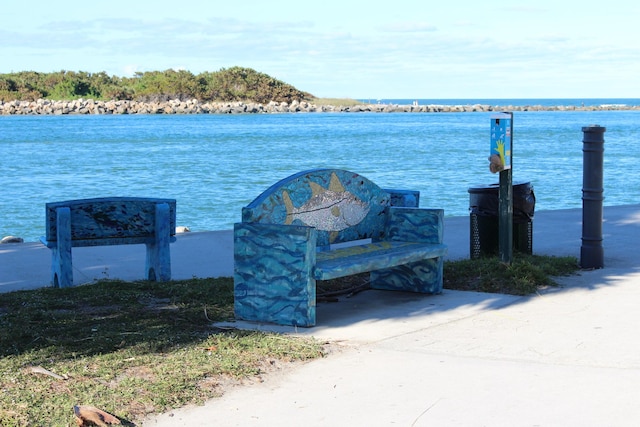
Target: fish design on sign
{"x": 328, "y": 209}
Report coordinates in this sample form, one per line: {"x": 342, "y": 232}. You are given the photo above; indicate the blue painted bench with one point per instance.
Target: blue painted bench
{"x": 324, "y": 224}
{"x": 110, "y": 221}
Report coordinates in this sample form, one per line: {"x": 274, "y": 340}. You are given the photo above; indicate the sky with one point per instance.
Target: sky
{"x": 410, "y": 49}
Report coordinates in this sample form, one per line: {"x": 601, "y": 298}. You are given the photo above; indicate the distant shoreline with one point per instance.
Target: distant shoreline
{"x": 89, "y": 106}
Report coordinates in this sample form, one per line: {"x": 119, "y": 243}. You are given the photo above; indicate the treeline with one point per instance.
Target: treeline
{"x": 228, "y": 84}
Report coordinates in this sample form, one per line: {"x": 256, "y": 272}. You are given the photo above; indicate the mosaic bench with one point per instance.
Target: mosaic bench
{"x": 110, "y": 221}
{"x": 324, "y": 224}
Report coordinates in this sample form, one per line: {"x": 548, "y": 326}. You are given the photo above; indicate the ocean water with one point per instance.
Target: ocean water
{"x": 215, "y": 164}
{"x": 545, "y": 102}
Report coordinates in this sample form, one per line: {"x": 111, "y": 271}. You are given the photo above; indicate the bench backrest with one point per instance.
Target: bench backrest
{"x": 115, "y": 220}
{"x": 342, "y": 205}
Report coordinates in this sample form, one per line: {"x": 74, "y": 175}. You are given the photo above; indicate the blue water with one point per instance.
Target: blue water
{"x": 545, "y": 102}
{"x": 215, "y": 164}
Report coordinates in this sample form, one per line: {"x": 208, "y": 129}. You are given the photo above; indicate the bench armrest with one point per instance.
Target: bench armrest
{"x": 262, "y": 251}
{"x": 273, "y": 273}
{"x": 274, "y": 237}
{"x": 415, "y": 225}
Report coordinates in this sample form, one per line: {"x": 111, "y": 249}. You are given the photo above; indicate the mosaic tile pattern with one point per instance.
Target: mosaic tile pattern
{"x": 284, "y": 243}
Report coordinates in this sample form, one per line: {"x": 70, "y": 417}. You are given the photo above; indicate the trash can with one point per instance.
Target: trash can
{"x": 484, "y": 218}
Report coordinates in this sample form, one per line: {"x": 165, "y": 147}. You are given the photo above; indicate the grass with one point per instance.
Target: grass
{"x": 129, "y": 349}
{"x": 525, "y": 275}
{"x": 135, "y": 348}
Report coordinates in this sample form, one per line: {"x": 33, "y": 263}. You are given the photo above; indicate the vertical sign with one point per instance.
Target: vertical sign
{"x": 500, "y": 161}
{"x": 500, "y": 150}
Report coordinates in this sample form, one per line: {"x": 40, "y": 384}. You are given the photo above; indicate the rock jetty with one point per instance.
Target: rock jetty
{"x": 193, "y": 106}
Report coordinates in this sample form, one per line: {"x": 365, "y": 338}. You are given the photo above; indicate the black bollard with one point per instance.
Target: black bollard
{"x": 591, "y": 252}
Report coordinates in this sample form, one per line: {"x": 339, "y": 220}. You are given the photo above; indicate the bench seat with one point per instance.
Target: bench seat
{"x": 373, "y": 256}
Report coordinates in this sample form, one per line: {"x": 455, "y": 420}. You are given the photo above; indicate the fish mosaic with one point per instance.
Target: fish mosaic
{"x": 328, "y": 209}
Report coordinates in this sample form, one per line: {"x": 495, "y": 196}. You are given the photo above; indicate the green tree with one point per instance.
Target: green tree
{"x": 72, "y": 85}
{"x": 161, "y": 86}
{"x": 232, "y": 84}
{"x": 246, "y": 84}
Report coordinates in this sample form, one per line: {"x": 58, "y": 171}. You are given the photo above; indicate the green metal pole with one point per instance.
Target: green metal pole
{"x": 505, "y": 224}
{"x": 500, "y": 158}
{"x": 505, "y": 206}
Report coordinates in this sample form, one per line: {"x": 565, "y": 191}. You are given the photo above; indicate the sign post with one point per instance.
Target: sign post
{"x": 500, "y": 161}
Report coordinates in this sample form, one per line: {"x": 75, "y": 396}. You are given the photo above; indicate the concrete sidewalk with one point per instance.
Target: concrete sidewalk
{"x": 210, "y": 254}
{"x": 204, "y": 254}
{"x": 567, "y": 357}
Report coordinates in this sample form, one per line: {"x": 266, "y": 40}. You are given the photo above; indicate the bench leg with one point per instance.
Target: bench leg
{"x": 158, "y": 262}
{"x": 423, "y": 277}
{"x": 61, "y": 262}
{"x": 272, "y": 274}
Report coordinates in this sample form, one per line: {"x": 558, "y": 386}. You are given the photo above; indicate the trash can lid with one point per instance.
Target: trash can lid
{"x": 482, "y": 188}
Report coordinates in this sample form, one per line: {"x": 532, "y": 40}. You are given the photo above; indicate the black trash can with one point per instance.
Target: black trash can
{"x": 484, "y": 219}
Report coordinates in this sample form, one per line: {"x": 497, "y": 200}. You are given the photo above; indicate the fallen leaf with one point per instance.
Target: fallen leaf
{"x": 90, "y": 415}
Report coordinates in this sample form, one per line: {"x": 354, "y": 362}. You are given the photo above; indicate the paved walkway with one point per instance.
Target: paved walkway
{"x": 210, "y": 254}
{"x": 569, "y": 356}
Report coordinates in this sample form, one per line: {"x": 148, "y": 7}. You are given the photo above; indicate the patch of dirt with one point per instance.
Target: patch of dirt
{"x": 330, "y": 290}
{"x": 139, "y": 372}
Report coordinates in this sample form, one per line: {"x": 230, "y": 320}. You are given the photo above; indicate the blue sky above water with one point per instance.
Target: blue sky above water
{"x": 413, "y": 49}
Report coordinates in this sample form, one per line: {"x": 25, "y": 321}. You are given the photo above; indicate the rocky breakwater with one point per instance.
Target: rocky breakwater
{"x": 193, "y": 106}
